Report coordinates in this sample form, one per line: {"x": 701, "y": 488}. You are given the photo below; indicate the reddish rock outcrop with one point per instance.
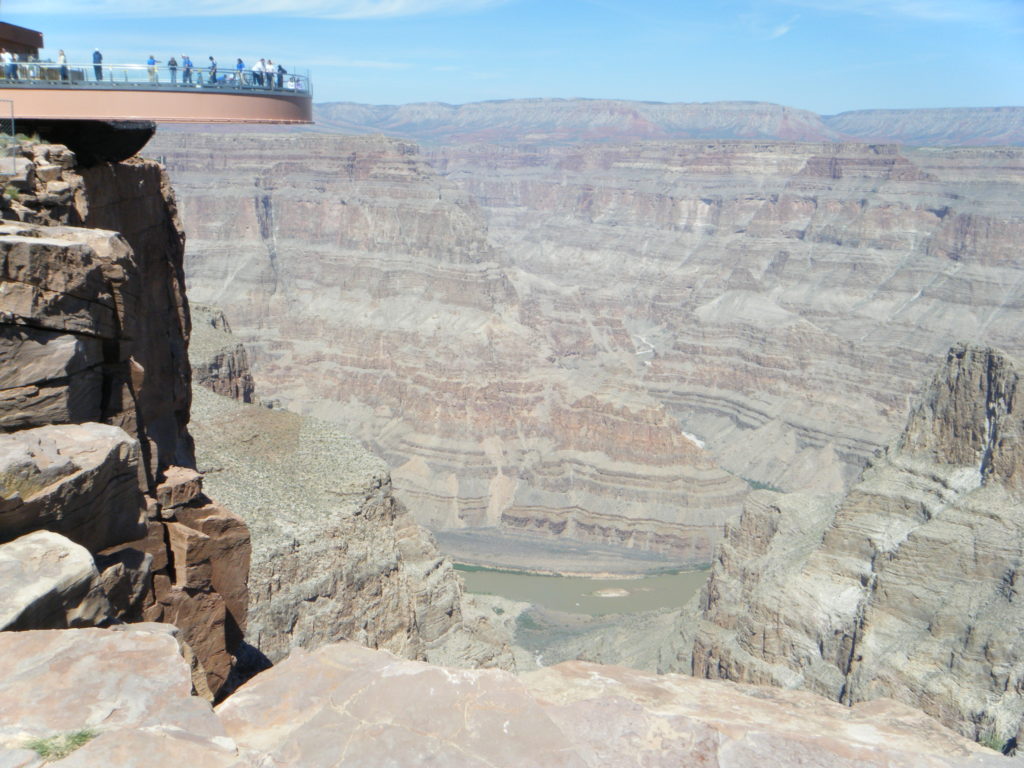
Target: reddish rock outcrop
{"x": 219, "y": 362}
{"x": 94, "y": 328}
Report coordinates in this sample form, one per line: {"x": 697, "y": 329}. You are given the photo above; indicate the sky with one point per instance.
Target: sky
{"x": 827, "y": 56}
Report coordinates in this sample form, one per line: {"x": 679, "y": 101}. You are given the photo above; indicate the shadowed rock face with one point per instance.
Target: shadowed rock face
{"x": 367, "y": 293}
{"x": 93, "y": 328}
{"x": 115, "y": 280}
{"x": 907, "y": 588}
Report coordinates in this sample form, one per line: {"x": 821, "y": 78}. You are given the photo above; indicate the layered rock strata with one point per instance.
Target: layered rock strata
{"x": 781, "y": 300}
{"x": 367, "y": 293}
{"x": 94, "y": 328}
{"x": 906, "y": 588}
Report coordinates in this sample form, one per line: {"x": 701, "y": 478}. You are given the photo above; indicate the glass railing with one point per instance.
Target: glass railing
{"x": 160, "y": 77}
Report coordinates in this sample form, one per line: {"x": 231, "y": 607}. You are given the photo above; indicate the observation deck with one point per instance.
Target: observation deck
{"x": 44, "y": 91}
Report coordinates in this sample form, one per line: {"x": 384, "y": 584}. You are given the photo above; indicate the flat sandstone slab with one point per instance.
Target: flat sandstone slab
{"x": 345, "y": 705}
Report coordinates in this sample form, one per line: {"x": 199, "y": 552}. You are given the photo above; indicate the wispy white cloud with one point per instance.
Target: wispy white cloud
{"x": 759, "y": 26}
{"x": 320, "y": 9}
{"x": 977, "y": 11}
{"x": 782, "y": 29}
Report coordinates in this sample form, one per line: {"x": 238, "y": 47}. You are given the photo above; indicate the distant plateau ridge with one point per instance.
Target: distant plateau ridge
{"x": 573, "y": 120}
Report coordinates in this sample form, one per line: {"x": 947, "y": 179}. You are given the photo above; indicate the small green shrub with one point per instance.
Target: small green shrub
{"x": 527, "y": 622}
{"x": 17, "y": 484}
{"x": 993, "y": 741}
{"x": 757, "y": 485}
{"x": 60, "y": 746}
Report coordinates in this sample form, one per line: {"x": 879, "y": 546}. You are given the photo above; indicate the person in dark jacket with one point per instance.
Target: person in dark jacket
{"x": 97, "y": 64}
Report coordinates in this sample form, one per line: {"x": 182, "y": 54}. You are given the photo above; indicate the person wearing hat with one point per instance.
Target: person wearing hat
{"x": 97, "y": 64}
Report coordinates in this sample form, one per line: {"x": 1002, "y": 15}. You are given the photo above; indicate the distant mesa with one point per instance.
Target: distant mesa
{"x": 567, "y": 121}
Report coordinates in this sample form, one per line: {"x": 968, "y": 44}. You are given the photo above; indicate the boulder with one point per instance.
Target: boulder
{"x": 180, "y": 485}
{"x": 80, "y": 480}
{"x": 49, "y": 582}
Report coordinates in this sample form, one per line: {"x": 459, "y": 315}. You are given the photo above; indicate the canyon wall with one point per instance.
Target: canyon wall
{"x": 563, "y": 338}
{"x": 907, "y": 587}
{"x": 368, "y": 293}
{"x": 103, "y": 516}
{"x": 782, "y": 301}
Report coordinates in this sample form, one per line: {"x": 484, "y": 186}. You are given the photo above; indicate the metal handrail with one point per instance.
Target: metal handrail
{"x": 49, "y": 74}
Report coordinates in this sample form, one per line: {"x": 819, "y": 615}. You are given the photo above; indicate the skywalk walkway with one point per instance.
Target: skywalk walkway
{"x": 121, "y": 92}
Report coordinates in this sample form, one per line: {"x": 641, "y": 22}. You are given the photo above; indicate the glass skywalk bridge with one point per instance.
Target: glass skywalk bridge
{"x": 45, "y": 91}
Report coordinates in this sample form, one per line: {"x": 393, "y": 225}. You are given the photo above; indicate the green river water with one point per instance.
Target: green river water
{"x": 594, "y": 597}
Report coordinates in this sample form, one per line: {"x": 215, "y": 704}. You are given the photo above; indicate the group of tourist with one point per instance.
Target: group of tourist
{"x": 263, "y": 74}
{"x": 8, "y": 63}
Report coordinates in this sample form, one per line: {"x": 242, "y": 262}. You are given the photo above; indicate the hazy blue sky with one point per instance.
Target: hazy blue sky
{"x": 824, "y": 55}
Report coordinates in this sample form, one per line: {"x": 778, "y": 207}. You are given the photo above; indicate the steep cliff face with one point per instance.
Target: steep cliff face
{"x": 368, "y": 293}
{"x": 94, "y": 328}
{"x": 219, "y": 361}
{"x": 904, "y": 589}
{"x": 134, "y": 200}
{"x": 335, "y": 554}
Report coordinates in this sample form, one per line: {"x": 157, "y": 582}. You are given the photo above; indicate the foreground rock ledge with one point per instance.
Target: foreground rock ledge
{"x": 345, "y": 705}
